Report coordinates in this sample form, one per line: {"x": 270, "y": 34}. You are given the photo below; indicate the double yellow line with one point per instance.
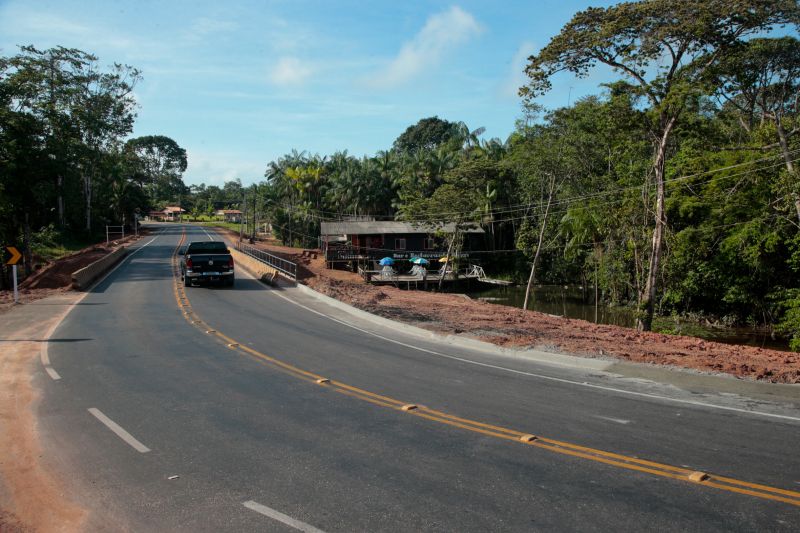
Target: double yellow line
{"x": 614, "y": 459}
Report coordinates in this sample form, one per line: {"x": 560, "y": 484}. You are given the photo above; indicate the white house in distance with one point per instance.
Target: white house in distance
{"x": 168, "y": 214}
{"x": 229, "y": 215}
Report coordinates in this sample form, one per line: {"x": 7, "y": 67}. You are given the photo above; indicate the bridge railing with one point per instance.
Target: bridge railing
{"x": 284, "y": 266}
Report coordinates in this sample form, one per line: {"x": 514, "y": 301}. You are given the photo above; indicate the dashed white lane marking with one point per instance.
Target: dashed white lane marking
{"x": 280, "y": 517}
{"x": 542, "y": 376}
{"x": 52, "y": 373}
{"x": 615, "y": 420}
{"x": 210, "y": 238}
{"x": 121, "y": 433}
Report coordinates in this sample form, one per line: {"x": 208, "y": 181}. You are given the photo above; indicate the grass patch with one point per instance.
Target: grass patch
{"x": 218, "y": 224}
{"x": 51, "y": 245}
{"x": 671, "y": 325}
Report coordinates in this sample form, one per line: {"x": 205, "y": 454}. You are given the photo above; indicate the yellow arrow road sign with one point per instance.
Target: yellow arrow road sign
{"x": 13, "y": 255}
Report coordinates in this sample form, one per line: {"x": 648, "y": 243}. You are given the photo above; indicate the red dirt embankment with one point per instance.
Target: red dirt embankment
{"x": 56, "y": 277}
{"x": 513, "y": 327}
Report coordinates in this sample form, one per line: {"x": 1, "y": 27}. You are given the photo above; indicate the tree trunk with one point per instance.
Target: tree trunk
{"x": 27, "y": 256}
{"x": 784, "y": 143}
{"x": 596, "y": 300}
{"x": 87, "y": 194}
{"x": 532, "y": 276}
{"x": 645, "y": 323}
{"x": 447, "y": 259}
{"x": 60, "y": 190}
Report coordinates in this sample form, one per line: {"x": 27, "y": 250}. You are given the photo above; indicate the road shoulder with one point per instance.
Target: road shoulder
{"x": 31, "y": 488}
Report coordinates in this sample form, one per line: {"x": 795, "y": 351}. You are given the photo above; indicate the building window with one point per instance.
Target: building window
{"x": 399, "y": 244}
{"x": 429, "y": 244}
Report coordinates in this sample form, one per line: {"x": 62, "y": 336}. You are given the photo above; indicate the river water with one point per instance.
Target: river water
{"x": 572, "y": 302}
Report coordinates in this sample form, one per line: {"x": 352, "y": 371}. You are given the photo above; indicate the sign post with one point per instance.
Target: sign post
{"x": 12, "y": 257}
{"x": 14, "y": 276}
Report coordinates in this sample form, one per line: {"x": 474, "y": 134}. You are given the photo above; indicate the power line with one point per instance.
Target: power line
{"x": 533, "y": 208}
{"x": 553, "y": 246}
{"x": 527, "y": 207}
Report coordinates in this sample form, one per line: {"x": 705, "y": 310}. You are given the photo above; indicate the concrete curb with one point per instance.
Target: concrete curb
{"x": 456, "y": 340}
{"x": 82, "y": 279}
{"x": 683, "y": 378}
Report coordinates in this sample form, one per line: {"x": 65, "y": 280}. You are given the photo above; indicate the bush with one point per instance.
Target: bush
{"x": 789, "y": 323}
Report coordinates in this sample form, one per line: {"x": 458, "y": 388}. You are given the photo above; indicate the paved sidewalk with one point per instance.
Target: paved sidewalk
{"x": 35, "y": 312}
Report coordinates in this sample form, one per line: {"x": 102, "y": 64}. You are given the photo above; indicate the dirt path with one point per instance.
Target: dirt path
{"x": 513, "y": 327}
{"x": 33, "y": 499}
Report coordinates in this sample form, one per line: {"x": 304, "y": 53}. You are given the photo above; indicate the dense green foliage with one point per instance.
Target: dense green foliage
{"x": 66, "y": 169}
{"x": 730, "y": 236}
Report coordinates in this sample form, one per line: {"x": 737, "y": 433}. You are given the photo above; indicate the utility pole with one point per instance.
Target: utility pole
{"x": 242, "y": 218}
{"x": 253, "y": 234}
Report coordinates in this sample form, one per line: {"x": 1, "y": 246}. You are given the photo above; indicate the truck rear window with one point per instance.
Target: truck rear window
{"x": 211, "y": 247}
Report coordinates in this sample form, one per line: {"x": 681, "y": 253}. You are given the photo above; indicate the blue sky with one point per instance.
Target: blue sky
{"x": 241, "y": 83}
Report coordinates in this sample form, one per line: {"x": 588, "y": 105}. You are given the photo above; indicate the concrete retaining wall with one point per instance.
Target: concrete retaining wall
{"x": 263, "y": 272}
{"x": 83, "y": 278}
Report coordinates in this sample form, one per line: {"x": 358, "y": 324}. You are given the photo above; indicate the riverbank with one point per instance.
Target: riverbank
{"x": 577, "y": 303}
{"x": 513, "y": 327}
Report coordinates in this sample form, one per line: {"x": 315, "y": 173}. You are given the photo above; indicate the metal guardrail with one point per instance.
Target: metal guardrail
{"x": 284, "y": 266}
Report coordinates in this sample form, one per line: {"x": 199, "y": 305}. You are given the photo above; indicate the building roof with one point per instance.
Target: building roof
{"x": 174, "y": 209}
{"x": 229, "y": 211}
{"x": 388, "y": 227}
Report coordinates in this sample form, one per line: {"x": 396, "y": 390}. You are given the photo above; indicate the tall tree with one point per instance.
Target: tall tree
{"x": 761, "y": 81}
{"x": 161, "y": 163}
{"x": 456, "y": 203}
{"x": 664, "y": 48}
{"x": 104, "y": 114}
{"x": 427, "y": 134}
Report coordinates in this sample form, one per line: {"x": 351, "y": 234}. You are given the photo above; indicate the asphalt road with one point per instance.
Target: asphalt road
{"x": 144, "y": 396}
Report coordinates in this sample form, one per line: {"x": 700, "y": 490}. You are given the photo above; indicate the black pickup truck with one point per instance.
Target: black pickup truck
{"x": 207, "y": 262}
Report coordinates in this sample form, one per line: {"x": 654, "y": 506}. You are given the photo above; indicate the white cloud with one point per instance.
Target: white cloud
{"x": 203, "y": 28}
{"x": 290, "y": 71}
{"x": 22, "y": 24}
{"x": 516, "y": 75}
{"x": 215, "y": 168}
{"x": 442, "y": 33}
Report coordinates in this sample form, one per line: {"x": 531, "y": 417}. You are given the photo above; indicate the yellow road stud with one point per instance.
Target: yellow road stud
{"x": 698, "y": 477}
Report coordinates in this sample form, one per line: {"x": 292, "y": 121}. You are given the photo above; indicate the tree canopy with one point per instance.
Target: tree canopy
{"x": 427, "y": 134}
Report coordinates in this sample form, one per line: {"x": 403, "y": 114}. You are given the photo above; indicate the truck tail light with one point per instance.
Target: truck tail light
{"x": 230, "y": 263}
{"x": 188, "y": 262}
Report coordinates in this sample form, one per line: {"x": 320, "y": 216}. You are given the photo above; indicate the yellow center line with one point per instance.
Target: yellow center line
{"x": 544, "y": 443}
{"x": 339, "y": 384}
